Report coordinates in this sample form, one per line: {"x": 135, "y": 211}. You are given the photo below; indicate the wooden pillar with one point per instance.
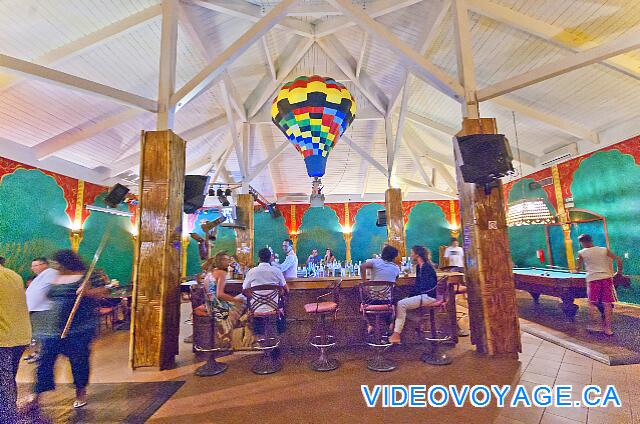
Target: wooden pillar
{"x": 244, "y": 236}
{"x": 564, "y": 217}
{"x": 493, "y": 315}
{"x": 155, "y": 319}
{"x": 395, "y": 222}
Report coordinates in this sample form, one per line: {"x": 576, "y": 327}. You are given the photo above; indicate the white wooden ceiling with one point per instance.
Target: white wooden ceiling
{"x": 56, "y": 117}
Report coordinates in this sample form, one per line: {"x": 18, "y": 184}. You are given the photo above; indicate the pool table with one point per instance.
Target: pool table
{"x": 553, "y": 282}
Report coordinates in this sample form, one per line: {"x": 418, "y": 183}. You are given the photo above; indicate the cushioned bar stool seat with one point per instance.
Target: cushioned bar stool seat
{"x": 376, "y": 303}
{"x": 265, "y": 307}
{"x": 322, "y": 334}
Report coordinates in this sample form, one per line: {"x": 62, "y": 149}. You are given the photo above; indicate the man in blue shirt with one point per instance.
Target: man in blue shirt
{"x": 289, "y": 267}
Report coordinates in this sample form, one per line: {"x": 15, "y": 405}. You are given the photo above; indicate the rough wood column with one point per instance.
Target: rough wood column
{"x": 493, "y": 315}
{"x": 155, "y": 315}
{"x": 395, "y": 222}
{"x": 244, "y": 237}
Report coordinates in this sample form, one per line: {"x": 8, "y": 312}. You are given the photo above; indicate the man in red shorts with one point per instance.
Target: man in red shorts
{"x": 597, "y": 262}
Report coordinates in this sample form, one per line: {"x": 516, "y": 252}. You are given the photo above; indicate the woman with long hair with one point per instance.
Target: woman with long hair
{"x": 328, "y": 256}
{"x": 424, "y": 290}
{"x": 227, "y": 308}
{"x": 76, "y": 346}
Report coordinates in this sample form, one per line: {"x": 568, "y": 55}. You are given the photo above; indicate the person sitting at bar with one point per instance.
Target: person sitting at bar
{"x": 265, "y": 273}
{"x": 289, "y": 267}
{"x": 382, "y": 269}
{"x": 314, "y": 258}
{"x": 226, "y": 307}
{"x": 423, "y": 290}
{"x": 328, "y": 256}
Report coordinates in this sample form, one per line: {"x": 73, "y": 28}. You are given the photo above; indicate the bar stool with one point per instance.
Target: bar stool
{"x": 212, "y": 367}
{"x": 376, "y": 301}
{"x": 198, "y": 300}
{"x": 459, "y": 288}
{"x": 321, "y": 337}
{"x": 435, "y": 336}
{"x": 265, "y": 303}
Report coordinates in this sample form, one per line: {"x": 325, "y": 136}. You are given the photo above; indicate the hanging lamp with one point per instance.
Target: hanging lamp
{"x": 527, "y": 211}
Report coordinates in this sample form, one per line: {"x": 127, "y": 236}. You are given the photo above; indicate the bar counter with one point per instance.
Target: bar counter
{"x": 350, "y": 325}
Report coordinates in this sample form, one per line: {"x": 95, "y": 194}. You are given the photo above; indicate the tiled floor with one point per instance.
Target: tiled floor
{"x": 300, "y": 395}
{"x": 547, "y": 363}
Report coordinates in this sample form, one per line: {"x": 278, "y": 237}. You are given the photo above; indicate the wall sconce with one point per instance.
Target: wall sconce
{"x": 346, "y": 229}
{"x": 134, "y": 230}
{"x": 75, "y": 235}
{"x": 454, "y": 230}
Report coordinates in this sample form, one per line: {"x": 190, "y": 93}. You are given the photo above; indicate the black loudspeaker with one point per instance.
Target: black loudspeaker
{"x": 195, "y": 189}
{"x": 116, "y": 195}
{"x": 381, "y": 220}
{"x": 274, "y": 211}
{"x": 485, "y": 157}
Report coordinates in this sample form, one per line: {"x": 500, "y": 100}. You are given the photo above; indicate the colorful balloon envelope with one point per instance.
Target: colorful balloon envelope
{"x": 313, "y": 112}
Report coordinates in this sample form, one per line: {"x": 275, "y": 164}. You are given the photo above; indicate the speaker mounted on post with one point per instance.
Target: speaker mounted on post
{"x": 485, "y": 158}
{"x": 195, "y": 189}
{"x": 116, "y": 195}
{"x": 381, "y": 219}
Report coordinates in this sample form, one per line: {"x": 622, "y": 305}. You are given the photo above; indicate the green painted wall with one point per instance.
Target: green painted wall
{"x": 268, "y": 232}
{"x": 33, "y": 221}
{"x": 427, "y": 226}
{"x": 226, "y": 240}
{"x": 524, "y": 241}
{"x": 367, "y": 239}
{"x": 607, "y": 183}
{"x": 117, "y": 257}
{"x": 320, "y": 229}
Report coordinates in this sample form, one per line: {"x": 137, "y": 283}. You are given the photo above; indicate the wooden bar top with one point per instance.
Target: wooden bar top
{"x": 350, "y": 282}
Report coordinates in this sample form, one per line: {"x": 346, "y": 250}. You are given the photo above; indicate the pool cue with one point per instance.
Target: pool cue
{"x": 83, "y": 286}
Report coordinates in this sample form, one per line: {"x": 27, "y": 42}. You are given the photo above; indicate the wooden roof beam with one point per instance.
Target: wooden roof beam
{"x": 204, "y": 78}
{"x": 628, "y": 65}
{"x": 420, "y": 65}
{"x": 253, "y": 13}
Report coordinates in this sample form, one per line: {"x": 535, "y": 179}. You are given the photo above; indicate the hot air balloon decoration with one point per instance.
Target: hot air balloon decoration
{"x": 313, "y": 112}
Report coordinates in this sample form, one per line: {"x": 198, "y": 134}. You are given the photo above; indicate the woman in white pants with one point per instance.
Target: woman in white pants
{"x": 424, "y": 290}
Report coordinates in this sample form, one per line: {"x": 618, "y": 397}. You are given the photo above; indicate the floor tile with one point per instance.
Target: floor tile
{"x": 542, "y": 369}
{"x": 537, "y": 378}
{"x": 578, "y": 369}
{"x": 596, "y": 416}
{"x": 567, "y": 377}
{"x": 576, "y": 414}
{"x": 549, "y": 418}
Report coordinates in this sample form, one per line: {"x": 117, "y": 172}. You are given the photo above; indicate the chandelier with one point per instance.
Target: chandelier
{"x": 528, "y": 212}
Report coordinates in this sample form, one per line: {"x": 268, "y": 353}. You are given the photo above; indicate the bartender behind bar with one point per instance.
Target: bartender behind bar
{"x": 289, "y": 267}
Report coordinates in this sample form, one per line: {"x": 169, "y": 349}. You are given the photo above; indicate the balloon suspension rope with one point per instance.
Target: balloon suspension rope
{"x": 84, "y": 285}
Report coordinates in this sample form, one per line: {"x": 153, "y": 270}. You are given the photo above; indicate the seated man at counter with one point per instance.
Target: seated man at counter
{"x": 423, "y": 290}
{"x": 289, "y": 267}
{"x": 382, "y": 269}
{"x": 314, "y": 258}
{"x": 265, "y": 273}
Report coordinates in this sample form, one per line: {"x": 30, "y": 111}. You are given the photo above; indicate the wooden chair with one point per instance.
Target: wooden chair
{"x": 265, "y": 305}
